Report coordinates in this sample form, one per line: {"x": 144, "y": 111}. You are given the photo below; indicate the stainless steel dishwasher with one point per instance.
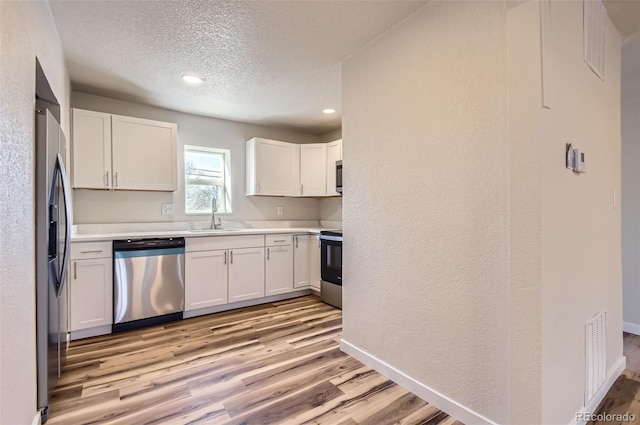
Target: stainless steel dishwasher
{"x": 148, "y": 282}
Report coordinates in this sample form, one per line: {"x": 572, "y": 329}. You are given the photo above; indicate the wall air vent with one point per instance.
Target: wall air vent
{"x": 594, "y": 34}
{"x": 595, "y": 355}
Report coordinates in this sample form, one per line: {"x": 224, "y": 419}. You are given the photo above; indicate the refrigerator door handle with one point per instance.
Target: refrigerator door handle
{"x": 67, "y": 212}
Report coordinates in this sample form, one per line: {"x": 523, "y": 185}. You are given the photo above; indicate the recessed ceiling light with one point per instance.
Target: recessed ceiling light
{"x": 191, "y": 79}
{"x": 328, "y": 111}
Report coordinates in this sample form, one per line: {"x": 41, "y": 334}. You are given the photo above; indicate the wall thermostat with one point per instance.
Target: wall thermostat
{"x": 574, "y": 159}
{"x": 578, "y": 161}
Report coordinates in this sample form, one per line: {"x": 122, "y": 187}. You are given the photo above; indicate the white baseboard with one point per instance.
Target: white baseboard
{"x": 631, "y": 328}
{"x": 37, "y": 419}
{"x": 431, "y": 396}
{"x": 88, "y": 333}
{"x": 246, "y": 303}
{"x": 614, "y": 372}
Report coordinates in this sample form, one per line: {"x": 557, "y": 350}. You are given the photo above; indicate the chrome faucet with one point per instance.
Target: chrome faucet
{"x": 214, "y": 210}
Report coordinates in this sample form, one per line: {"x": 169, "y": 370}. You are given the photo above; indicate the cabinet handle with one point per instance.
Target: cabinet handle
{"x": 225, "y": 258}
{"x": 280, "y": 240}
{"x": 106, "y": 179}
{"x": 257, "y": 187}
{"x": 231, "y": 253}
{"x": 296, "y": 241}
{"x": 115, "y": 179}
{"x": 301, "y": 189}
{"x": 91, "y": 252}
{"x": 75, "y": 270}
{"x": 267, "y": 253}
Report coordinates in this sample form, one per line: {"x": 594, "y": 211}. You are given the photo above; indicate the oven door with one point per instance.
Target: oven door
{"x": 331, "y": 259}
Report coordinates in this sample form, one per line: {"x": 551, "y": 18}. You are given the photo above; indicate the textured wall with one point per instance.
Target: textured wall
{"x": 581, "y": 258}
{"x": 426, "y": 225}
{"x": 525, "y": 214}
{"x": 26, "y": 30}
{"x": 631, "y": 182}
{"x": 101, "y": 206}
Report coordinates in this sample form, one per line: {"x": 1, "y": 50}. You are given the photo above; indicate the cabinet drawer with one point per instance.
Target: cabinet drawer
{"x": 82, "y": 250}
{"x": 208, "y": 243}
{"x": 274, "y": 240}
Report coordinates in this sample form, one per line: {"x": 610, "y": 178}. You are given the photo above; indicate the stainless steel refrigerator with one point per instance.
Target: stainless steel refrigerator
{"x": 53, "y": 227}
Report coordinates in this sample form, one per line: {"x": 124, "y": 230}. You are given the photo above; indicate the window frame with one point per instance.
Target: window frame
{"x": 226, "y": 179}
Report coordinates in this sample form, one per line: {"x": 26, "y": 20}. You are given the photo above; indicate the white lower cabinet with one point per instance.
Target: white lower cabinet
{"x": 246, "y": 274}
{"x": 301, "y": 273}
{"x": 278, "y": 265}
{"x": 90, "y": 286}
{"x": 206, "y": 274}
{"x": 223, "y": 269}
{"x": 314, "y": 262}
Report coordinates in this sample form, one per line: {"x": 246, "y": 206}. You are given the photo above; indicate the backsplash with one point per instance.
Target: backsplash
{"x": 331, "y": 209}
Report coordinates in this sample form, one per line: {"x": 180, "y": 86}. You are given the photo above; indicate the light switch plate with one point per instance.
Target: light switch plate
{"x": 167, "y": 209}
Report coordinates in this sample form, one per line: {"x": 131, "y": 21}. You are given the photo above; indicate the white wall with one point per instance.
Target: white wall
{"x": 427, "y": 230}
{"x": 475, "y": 257}
{"x": 631, "y": 184}
{"x": 581, "y": 251}
{"x": 26, "y": 31}
{"x": 525, "y": 214}
{"x": 98, "y": 206}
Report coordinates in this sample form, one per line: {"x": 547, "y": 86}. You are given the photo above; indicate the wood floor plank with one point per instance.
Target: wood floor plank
{"x": 276, "y": 363}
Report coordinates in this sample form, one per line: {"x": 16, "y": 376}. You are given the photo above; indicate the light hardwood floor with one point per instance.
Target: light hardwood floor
{"x": 624, "y": 395}
{"x": 278, "y": 363}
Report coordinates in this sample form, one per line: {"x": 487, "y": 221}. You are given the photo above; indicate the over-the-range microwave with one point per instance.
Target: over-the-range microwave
{"x": 339, "y": 177}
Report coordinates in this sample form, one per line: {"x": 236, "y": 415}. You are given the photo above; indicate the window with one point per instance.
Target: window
{"x": 206, "y": 176}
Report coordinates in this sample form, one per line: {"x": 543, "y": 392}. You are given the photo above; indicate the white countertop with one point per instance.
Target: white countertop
{"x": 108, "y": 232}
{"x": 94, "y": 237}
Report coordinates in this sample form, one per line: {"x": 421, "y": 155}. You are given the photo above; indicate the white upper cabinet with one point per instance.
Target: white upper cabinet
{"x": 117, "y": 152}
{"x": 273, "y": 167}
{"x": 313, "y": 169}
{"x": 334, "y": 153}
{"x": 91, "y": 149}
{"x": 286, "y": 169}
{"x": 144, "y": 154}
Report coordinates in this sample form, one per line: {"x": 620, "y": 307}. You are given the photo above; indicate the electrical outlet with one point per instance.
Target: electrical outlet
{"x": 167, "y": 209}
{"x": 280, "y": 210}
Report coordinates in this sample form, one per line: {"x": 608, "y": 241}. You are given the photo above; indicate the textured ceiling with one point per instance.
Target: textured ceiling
{"x": 269, "y": 62}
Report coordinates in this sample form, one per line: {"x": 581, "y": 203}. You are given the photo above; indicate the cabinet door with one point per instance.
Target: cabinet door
{"x": 91, "y": 293}
{"x": 205, "y": 279}
{"x": 279, "y": 270}
{"x": 144, "y": 154}
{"x": 314, "y": 262}
{"x": 301, "y": 261}
{"x": 277, "y": 167}
{"x": 313, "y": 169}
{"x": 246, "y": 274}
{"x": 91, "y": 149}
{"x": 334, "y": 153}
